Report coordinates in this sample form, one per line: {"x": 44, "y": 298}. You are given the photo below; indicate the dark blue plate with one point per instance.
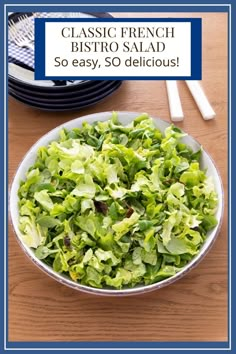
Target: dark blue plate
{"x": 68, "y": 107}
{"x": 65, "y": 101}
{"x": 94, "y": 85}
{"x": 75, "y": 97}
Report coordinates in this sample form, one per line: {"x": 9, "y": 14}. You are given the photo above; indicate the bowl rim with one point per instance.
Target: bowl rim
{"x": 65, "y": 280}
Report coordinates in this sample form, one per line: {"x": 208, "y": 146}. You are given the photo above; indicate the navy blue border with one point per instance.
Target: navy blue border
{"x": 121, "y": 345}
{"x": 174, "y": 8}
{"x": 111, "y": 8}
{"x": 39, "y": 47}
{"x": 196, "y": 45}
{"x": 231, "y": 169}
{"x": 3, "y": 177}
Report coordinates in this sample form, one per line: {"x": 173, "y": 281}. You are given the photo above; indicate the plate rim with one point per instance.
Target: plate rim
{"x": 68, "y": 108}
{"x": 67, "y": 100}
{"x": 77, "y": 88}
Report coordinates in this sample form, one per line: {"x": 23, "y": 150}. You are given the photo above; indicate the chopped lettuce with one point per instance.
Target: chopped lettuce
{"x": 114, "y": 205}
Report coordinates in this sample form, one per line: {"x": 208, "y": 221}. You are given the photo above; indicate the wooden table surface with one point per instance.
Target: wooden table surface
{"x": 192, "y": 309}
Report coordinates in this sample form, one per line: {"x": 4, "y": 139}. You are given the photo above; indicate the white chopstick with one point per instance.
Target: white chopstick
{"x": 175, "y": 106}
{"x": 201, "y": 99}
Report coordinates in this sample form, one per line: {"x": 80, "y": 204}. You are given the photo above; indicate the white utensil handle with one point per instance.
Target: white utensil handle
{"x": 176, "y": 111}
{"x": 201, "y": 99}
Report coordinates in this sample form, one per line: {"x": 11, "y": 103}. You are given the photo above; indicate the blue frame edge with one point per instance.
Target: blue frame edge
{"x": 107, "y": 7}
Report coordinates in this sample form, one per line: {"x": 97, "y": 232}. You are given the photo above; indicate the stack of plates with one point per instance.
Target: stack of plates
{"x": 52, "y": 95}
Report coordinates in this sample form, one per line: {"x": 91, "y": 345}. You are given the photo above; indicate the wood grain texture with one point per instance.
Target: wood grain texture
{"x": 192, "y": 309}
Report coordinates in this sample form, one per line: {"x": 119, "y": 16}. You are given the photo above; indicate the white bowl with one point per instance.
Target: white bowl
{"x": 125, "y": 117}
